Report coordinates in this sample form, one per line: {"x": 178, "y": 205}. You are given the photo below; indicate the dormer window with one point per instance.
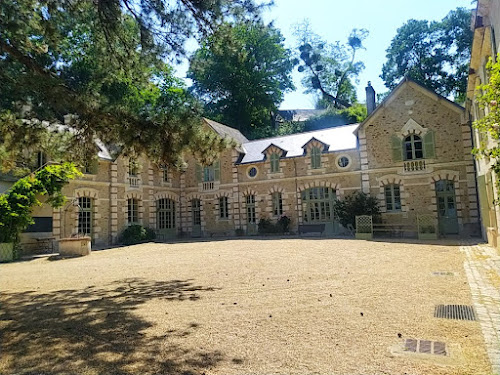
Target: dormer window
{"x": 275, "y": 163}
{"x": 413, "y": 147}
{"x": 315, "y": 157}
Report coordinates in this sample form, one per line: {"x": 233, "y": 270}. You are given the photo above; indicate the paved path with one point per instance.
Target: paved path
{"x": 482, "y": 267}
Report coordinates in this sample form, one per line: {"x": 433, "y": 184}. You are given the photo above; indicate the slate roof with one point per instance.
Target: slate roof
{"x": 226, "y": 131}
{"x": 337, "y": 138}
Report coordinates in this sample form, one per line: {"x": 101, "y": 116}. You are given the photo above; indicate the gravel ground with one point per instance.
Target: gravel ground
{"x": 248, "y": 306}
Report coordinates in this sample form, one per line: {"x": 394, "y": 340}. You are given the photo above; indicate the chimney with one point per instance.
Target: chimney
{"x": 370, "y": 98}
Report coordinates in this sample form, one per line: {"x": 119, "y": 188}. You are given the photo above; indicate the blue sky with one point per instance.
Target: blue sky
{"x": 333, "y": 20}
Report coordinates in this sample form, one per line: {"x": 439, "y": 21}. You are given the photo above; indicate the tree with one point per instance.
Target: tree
{"x": 103, "y": 62}
{"x": 435, "y": 54}
{"x": 330, "y": 68}
{"x": 17, "y": 203}
{"x": 241, "y": 72}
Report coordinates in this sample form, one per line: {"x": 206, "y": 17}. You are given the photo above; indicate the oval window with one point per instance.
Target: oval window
{"x": 343, "y": 162}
{"x": 252, "y": 172}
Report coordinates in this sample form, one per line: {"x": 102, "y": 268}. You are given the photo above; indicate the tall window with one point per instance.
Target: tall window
{"x": 392, "y": 198}
{"x": 223, "y": 208}
{"x": 315, "y": 157}
{"x": 196, "y": 210}
{"x": 251, "y": 209}
{"x": 275, "y": 163}
{"x": 85, "y": 216}
{"x": 165, "y": 210}
{"x": 277, "y": 204}
{"x": 132, "y": 211}
{"x": 133, "y": 167}
{"x": 413, "y": 147}
{"x": 165, "y": 174}
{"x": 317, "y": 204}
{"x": 209, "y": 173}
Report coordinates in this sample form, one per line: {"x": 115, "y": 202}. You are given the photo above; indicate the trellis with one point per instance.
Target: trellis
{"x": 364, "y": 224}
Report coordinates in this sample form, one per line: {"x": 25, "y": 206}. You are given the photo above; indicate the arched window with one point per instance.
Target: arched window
{"x": 413, "y": 147}
{"x": 196, "y": 210}
{"x": 317, "y": 204}
{"x": 277, "y": 204}
{"x": 165, "y": 209}
{"x": 315, "y": 157}
{"x": 132, "y": 211}
{"x": 223, "y": 208}
{"x": 275, "y": 163}
{"x": 251, "y": 217}
{"x": 392, "y": 197}
{"x": 85, "y": 216}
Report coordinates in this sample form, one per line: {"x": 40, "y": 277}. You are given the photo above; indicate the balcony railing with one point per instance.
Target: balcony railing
{"x": 208, "y": 185}
{"x": 134, "y": 182}
{"x": 414, "y": 165}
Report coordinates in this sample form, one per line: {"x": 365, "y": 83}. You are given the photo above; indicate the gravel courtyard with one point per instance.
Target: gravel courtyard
{"x": 261, "y": 306}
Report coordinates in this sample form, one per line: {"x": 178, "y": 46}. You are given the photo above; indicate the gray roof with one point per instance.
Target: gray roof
{"x": 226, "y": 131}
{"x": 336, "y": 139}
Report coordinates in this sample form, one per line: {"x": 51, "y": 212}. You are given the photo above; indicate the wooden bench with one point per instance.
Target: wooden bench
{"x": 312, "y": 228}
{"x": 395, "y": 230}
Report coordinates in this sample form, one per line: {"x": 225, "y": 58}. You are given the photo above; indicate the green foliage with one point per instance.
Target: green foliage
{"x": 435, "y": 54}
{"x": 239, "y": 232}
{"x": 488, "y": 126}
{"x": 330, "y": 69}
{"x": 282, "y": 225}
{"x": 241, "y": 73}
{"x": 135, "y": 234}
{"x": 104, "y": 62}
{"x": 337, "y": 117}
{"x": 17, "y": 203}
{"x": 355, "y": 205}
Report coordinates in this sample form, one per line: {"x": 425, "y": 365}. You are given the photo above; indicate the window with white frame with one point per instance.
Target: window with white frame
{"x": 315, "y": 157}
{"x": 413, "y": 147}
{"x": 85, "y": 216}
{"x": 132, "y": 211}
{"x": 275, "y": 163}
{"x": 251, "y": 216}
{"x": 277, "y": 204}
{"x": 223, "y": 208}
{"x": 392, "y": 197}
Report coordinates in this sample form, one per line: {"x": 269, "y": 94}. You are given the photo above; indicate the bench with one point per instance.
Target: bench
{"x": 312, "y": 228}
{"x": 395, "y": 230}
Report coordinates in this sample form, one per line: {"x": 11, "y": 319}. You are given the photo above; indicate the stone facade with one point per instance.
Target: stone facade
{"x": 486, "y": 25}
{"x": 235, "y": 193}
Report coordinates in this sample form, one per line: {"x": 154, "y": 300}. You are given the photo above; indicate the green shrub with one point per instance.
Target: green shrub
{"x": 239, "y": 232}
{"x": 284, "y": 224}
{"x": 354, "y": 205}
{"x": 134, "y": 234}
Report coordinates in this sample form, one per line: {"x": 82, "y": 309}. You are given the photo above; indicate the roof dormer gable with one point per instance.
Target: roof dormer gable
{"x": 273, "y": 149}
{"x": 314, "y": 142}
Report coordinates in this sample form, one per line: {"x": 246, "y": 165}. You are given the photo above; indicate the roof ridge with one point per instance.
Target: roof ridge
{"x": 295, "y": 134}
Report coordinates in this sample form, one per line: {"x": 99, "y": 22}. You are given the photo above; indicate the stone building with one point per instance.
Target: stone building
{"x": 486, "y": 24}
{"x": 413, "y": 153}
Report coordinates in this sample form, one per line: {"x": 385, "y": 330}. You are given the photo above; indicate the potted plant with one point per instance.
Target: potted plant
{"x": 427, "y": 232}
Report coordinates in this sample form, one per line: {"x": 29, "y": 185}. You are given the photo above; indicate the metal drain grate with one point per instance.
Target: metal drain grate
{"x": 458, "y": 312}
{"x": 425, "y": 347}
{"x": 443, "y": 273}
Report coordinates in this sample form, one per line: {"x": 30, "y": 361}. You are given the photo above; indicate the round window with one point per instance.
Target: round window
{"x": 252, "y": 172}
{"x": 343, "y": 162}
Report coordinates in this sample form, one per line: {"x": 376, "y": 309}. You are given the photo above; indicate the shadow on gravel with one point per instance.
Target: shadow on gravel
{"x": 95, "y": 330}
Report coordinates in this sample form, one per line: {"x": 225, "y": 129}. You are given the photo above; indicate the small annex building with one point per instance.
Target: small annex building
{"x": 413, "y": 153}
